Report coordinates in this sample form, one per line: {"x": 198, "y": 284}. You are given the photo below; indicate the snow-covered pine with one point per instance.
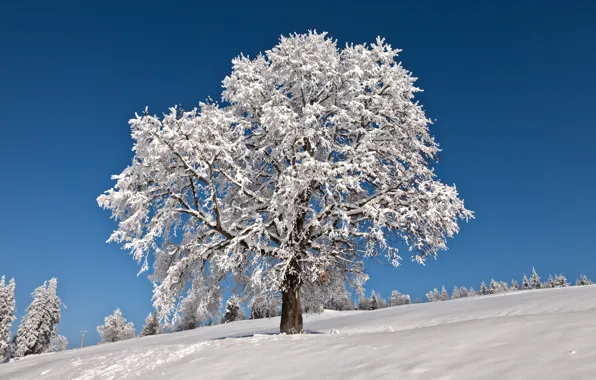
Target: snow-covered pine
{"x": 373, "y": 303}
{"x": 7, "y": 315}
{"x": 463, "y": 292}
{"x": 503, "y": 286}
{"x": 583, "y": 280}
{"x": 38, "y": 325}
{"x": 233, "y": 310}
{"x": 525, "y": 283}
{"x": 472, "y": 292}
{"x": 550, "y": 283}
{"x": 115, "y": 328}
{"x": 535, "y": 280}
{"x": 152, "y": 326}
{"x": 493, "y": 287}
{"x": 455, "y": 294}
{"x": 398, "y": 299}
{"x": 444, "y": 295}
{"x": 319, "y": 159}
{"x": 202, "y": 304}
{"x": 58, "y": 343}
{"x": 514, "y": 285}
{"x": 483, "y": 289}
{"x": 560, "y": 281}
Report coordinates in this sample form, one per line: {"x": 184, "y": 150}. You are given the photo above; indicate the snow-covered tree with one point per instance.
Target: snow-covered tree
{"x": 455, "y": 294}
{"x": 152, "y": 326}
{"x": 233, "y": 310}
{"x": 560, "y": 281}
{"x": 535, "y": 280}
{"x": 444, "y": 294}
{"x": 327, "y": 291}
{"x": 583, "y": 280}
{"x": 483, "y": 289}
{"x": 363, "y": 303}
{"x": 472, "y": 292}
{"x": 463, "y": 292}
{"x": 434, "y": 295}
{"x": 319, "y": 158}
{"x": 265, "y": 306}
{"x": 514, "y": 285}
{"x": 550, "y": 283}
{"x": 503, "y": 286}
{"x": 398, "y": 299}
{"x": 115, "y": 328}
{"x": 203, "y": 303}
{"x": 7, "y": 315}
{"x": 493, "y": 287}
{"x": 373, "y": 303}
{"x": 525, "y": 283}
{"x": 38, "y": 325}
{"x": 58, "y": 343}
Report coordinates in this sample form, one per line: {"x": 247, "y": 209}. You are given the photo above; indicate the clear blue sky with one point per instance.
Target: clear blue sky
{"x": 510, "y": 83}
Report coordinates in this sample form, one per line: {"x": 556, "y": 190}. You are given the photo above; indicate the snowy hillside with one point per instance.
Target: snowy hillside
{"x": 543, "y": 334}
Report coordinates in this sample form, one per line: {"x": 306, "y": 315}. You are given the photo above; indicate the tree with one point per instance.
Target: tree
{"x": 115, "y": 328}
{"x": 58, "y": 343}
{"x": 38, "y": 325}
{"x": 483, "y": 289}
{"x": 550, "y": 283}
{"x": 233, "y": 312}
{"x": 472, "y": 292}
{"x": 560, "y": 281}
{"x": 319, "y": 158}
{"x": 203, "y": 303}
{"x": 455, "y": 294}
{"x": 444, "y": 295}
{"x": 514, "y": 285}
{"x": 463, "y": 292}
{"x": 535, "y": 280}
{"x": 329, "y": 291}
{"x": 373, "y": 303}
{"x": 494, "y": 287}
{"x": 398, "y": 299}
{"x": 152, "y": 326}
{"x": 583, "y": 280}
{"x": 525, "y": 283}
{"x": 503, "y": 286}
{"x": 7, "y": 315}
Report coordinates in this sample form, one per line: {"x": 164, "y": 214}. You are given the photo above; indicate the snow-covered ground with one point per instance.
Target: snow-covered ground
{"x": 544, "y": 334}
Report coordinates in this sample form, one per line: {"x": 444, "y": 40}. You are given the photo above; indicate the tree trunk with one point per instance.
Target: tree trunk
{"x": 291, "y": 309}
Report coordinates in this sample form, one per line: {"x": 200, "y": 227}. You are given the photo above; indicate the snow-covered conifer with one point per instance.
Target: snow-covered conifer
{"x": 525, "y": 283}
{"x": 203, "y": 303}
{"x": 233, "y": 311}
{"x": 115, "y": 328}
{"x": 560, "y": 281}
{"x": 152, "y": 326}
{"x": 493, "y": 287}
{"x": 463, "y": 292}
{"x": 455, "y": 294}
{"x": 38, "y": 325}
{"x": 444, "y": 295}
{"x": 535, "y": 280}
{"x": 472, "y": 292}
{"x": 398, "y": 299}
{"x": 514, "y": 285}
{"x": 550, "y": 283}
{"x": 317, "y": 156}
{"x": 7, "y": 315}
{"x": 583, "y": 280}
{"x": 483, "y": 289}
{"x": 503, "y": 286}
{"x": 373, "y": 303}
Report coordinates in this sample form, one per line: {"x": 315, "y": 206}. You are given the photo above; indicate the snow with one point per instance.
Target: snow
{"x": 538, "y": 334}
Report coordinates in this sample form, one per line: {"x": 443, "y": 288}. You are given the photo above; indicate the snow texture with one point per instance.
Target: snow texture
{"x": 492, "y": 337}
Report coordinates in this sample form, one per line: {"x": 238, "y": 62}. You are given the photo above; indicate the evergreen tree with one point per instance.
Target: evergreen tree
{"x": 561, "y": 282}
{"x": 583, "y": 280}
{"x": 115, "y": 328}
{"x": 525, "y": 283}
{"x": 483, "y": 289}
{"x": 444, "y": 294}
{"x": 373, "y": 302}
{"x": 398, "y": 299}
{"x": 504, "y": 287}
{"x": 463, "y": 292}
{"x": 151, "y": 325}
{"x": 535, "y": 280}
{"x": 493, "y": 287}
{"x": 233, "y": 312}
{"x": 455, "y": 294}
{"x": 38, "y": 326}
{"x": 7, "y": 317}
{"x": 58, "y": 343}
{"x": 514, "y": 285}
{"x": 550, "y": 283}
{"x": 472, "y": 292}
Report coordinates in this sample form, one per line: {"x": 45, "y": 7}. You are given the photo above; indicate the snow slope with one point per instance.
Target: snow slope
{"x": 543, "y": 334}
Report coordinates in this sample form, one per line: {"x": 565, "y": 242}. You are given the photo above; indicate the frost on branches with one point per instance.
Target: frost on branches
{"x": 116, "y": 328}
{"x": 7, "y": 317}
{"x": 318, "y": 159}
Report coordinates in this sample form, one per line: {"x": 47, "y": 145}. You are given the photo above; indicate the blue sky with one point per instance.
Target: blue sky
{"x": 510, "y": 83}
